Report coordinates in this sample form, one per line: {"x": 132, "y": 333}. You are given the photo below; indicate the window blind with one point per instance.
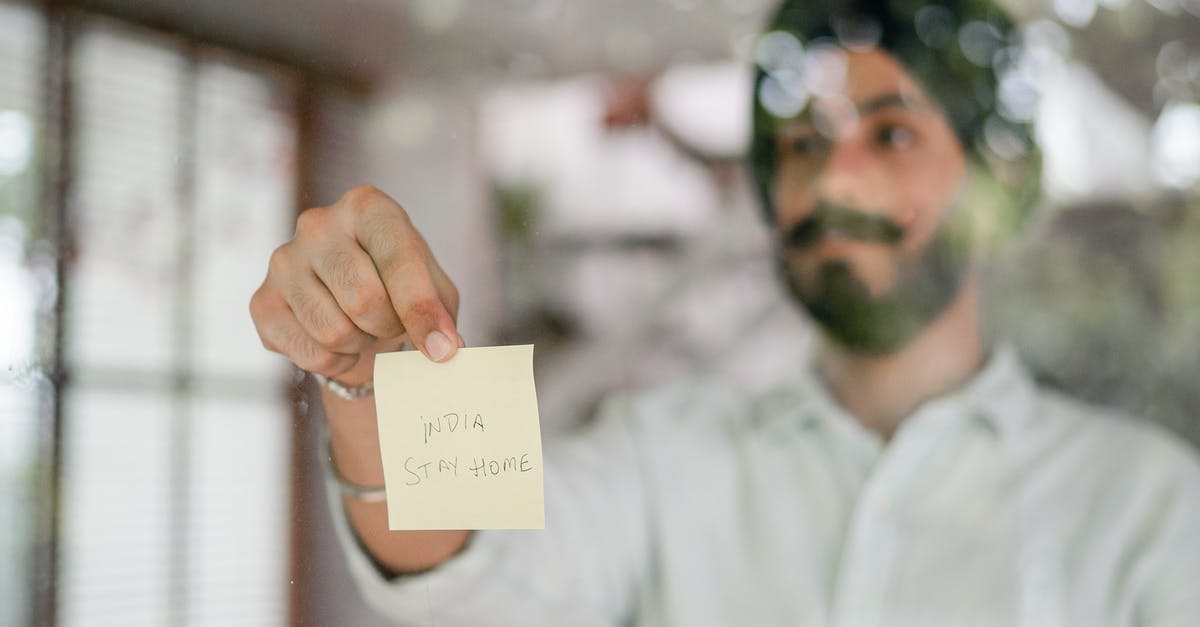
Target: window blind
{"x": 22, "y": 50}
{"x": 176, "y": 460}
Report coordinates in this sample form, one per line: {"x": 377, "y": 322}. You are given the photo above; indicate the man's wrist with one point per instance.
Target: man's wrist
{"x": 366, "y": 492}
{"x": 346, "y": 391}
{"x": 353, "y": 385}
{"x": 362, "y": 372}
{"x": 354, "y": 451}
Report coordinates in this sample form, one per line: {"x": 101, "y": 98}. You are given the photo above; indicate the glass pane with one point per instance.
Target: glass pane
{"x": 117, "y": 523}
{"x": 21, "y": 49}
{"x": 239, "y": 504}
{"x": 337, "y": 143}
{"x": 124, "y": 278}
{"x": 245, "y": 199}
{"x": 18, "y": 410}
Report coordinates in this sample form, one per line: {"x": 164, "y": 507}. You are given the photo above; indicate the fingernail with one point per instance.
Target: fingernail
{"x": 437, "y": 346}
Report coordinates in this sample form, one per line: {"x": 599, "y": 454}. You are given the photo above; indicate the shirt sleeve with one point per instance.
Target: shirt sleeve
{"x": 583, "y": 569}
{"x": 1171, "y": 564}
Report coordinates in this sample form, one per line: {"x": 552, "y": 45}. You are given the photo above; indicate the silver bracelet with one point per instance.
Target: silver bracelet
{"x": 357, "y": 392}
{"x": 341, "y": 390}
{"x": 367, "y": 494}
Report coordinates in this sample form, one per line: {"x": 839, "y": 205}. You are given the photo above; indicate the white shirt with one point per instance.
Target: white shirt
{"x": 688, "y": 504}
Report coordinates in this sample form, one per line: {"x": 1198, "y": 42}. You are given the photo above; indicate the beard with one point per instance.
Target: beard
{"x": 843, "y": 306}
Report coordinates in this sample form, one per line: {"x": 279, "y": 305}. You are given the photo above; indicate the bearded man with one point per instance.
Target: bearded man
{"x": 907, "y": 474}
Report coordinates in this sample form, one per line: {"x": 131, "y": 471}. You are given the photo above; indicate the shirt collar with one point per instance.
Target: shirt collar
{"x": 1000, "y": 397}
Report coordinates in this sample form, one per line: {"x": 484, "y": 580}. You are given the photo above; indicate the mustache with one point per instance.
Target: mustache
{"x": 828, "y": 217}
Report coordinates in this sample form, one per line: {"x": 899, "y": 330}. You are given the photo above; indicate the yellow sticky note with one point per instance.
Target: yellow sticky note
{"x": 461, "y": 440}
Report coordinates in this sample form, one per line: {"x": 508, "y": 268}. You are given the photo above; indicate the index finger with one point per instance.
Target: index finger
{"x": 405, "y": 266}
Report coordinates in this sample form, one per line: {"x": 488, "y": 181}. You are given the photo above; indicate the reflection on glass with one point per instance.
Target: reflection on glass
{"x": 124, "y": 207}
{"x": 116, "y": 522}
{"x": 176, "y": 447}
{"x": 1177, "y": 145}
{"x": 16, "y": 142}
{"x": 245, "y": 177}
{"x": 18, "y": 411}
{"x": 238, "y": 508}
{"x": 21, "y": 50}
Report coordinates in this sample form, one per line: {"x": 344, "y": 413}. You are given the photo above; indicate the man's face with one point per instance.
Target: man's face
{"x": 866, "y": 177}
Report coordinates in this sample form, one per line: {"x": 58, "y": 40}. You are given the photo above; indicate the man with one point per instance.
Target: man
{"x": 908, "y": 475}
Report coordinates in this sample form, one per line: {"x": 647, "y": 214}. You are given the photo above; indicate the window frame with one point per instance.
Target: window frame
{"x": 64, "y": 21}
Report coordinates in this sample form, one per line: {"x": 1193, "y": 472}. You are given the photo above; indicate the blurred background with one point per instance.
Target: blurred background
{"x": 575, "y": 166}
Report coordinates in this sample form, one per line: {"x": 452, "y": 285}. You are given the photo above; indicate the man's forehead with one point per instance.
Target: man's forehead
{"x": 885, "y": 100}
{"x": 858, "y": 75}
{"x": 836, "y": 82}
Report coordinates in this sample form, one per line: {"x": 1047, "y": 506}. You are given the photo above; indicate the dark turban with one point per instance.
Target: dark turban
{"x": 962, "y": 52}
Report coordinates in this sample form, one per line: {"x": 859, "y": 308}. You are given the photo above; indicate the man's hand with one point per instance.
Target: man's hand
{"x": 356, "y": 279}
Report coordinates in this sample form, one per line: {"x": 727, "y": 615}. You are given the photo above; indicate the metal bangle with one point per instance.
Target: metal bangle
{"x": 341, "y": 390}
{"x": 352, "y": 393}
{"x": 367, "y": 494}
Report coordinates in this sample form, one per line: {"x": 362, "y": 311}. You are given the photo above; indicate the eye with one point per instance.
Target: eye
{"x": 808, "y": 145}
{"x": 895, "y": 137}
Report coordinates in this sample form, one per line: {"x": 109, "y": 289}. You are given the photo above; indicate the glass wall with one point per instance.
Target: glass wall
{"x": 175, "y": 435}
{"x": 25, "y": 260}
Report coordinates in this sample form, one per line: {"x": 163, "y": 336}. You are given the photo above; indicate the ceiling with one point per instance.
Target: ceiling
{"x": 368, "y": 42}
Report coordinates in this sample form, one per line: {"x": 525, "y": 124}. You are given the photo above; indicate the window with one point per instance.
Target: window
{"x": 180, "y": 171}
{"x": 24, "y": 260}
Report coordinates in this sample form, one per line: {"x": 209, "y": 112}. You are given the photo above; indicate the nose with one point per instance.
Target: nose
{"x": 853, "y": 176}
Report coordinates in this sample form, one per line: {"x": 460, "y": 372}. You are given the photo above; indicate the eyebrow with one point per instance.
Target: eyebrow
{"x": 890, "y": 100}
{"x": 886, "y": 101}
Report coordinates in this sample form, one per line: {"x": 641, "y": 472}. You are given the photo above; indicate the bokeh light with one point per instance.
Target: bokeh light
{"x": 1077, "y": 13}
{"x": 16, "y": 142}
{"x": 1176, "y": 143}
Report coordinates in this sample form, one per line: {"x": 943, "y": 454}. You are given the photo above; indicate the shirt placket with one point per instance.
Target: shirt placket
{"x": 871, "y": 543}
